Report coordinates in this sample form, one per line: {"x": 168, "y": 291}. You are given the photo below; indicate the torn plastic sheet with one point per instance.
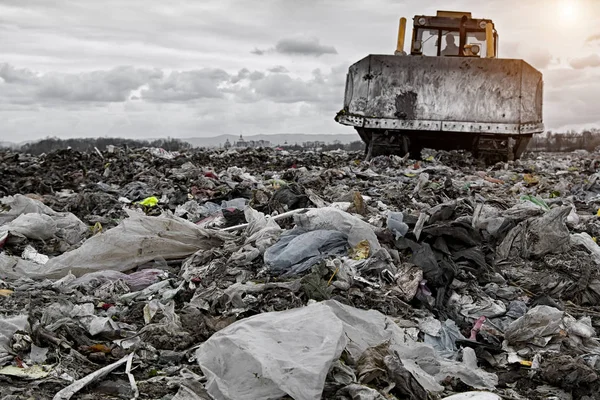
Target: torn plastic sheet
{"x": 297, "y": 251}
{"x": 395, "y": 224}
{"x": 136, "y": 281}
{"x": 329, "y": 218}
{"x": 585, "y": 240}
{"x": 262, "y": 230}
{"x": 537, "y": 237}
{"x": 33, "y": 219}
{"x": 473, "y": 396}
{"x": 137, "y": 240}
{"x": 539, "y": 322}
{"x": 444, "y": 340}
{"x": 358, "y": 392}
{"x": 29, "y": 373}
{"x": 290, "y": 352}
{"x": 69, "y": 391}
{"x": 8, "y": 327}
{"x": 31, "y": 254}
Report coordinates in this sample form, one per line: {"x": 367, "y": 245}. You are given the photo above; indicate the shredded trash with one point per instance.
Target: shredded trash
{"x": 267, "y": 274}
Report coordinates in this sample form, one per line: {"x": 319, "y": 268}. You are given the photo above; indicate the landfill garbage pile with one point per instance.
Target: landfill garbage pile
{"x": 265, "y": 274}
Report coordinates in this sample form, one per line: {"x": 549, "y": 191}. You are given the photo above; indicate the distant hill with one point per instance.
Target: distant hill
{"x": 276, "y": 139}
{"x": 9, "y": 145}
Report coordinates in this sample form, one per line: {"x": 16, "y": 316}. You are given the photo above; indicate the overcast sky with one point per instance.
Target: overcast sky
{"x": 185, "y": 68}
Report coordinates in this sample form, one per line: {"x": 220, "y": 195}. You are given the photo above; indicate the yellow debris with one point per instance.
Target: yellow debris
{"x": 531, "y": 179}
{"x": 359, "y": 204}
{"x": 6, "y": 292}
{"x": 526, "y": 363}
{"x": 149, "y": 202}
{"x": 332, "y": 275}
{"x": 97, "y": 228}
{"x": 361, "y": 251}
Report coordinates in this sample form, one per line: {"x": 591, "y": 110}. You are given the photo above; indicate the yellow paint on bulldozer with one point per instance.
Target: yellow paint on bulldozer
{"x": 453, "y": 14}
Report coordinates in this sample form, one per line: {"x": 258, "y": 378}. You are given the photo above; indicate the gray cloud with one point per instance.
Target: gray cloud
{"x": 278, "y": 69}
{"x": 310, "y": 47}
{"x": 245, "y": 73}
{"x": 540, "y": 59}
{"x": 186, "y": 86}
{"x": 60, "y": 55}
{"x": 115, "y": 85}
{"x": 299, "y": 46}
{"x": 12, "y": 75}
{"x": 282, "y": 88}
{"x": 591, "y": 61}
{"x": 122, "y": 84}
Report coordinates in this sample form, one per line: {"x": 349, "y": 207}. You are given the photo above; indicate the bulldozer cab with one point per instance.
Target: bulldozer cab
{"x": 453, "y": 34}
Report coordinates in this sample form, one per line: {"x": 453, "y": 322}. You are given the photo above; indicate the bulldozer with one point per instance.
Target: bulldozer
{"x": 450, "y": 92}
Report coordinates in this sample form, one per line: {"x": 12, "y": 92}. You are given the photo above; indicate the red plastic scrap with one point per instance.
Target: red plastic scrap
{"x": 477, "y": 327}
{"x": 3, "y": 237}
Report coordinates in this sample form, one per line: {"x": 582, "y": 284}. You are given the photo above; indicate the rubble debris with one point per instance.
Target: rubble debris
{"x": 232, "y": 274}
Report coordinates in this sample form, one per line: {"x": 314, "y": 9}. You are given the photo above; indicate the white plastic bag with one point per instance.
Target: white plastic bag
{"x": 329, "y": 218}
{"x": 137, "y": 240}
{"x": 289, "y": 352}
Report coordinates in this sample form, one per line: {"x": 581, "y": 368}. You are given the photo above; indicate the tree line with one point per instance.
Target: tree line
{"x": 588, "y": 139}
{"x": 50, "y": 144}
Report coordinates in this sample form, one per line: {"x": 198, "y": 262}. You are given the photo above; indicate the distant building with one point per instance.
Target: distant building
{"x": 313, "y": 145}
{"x": 227, "y": 144}
{"x": 241, "y": 143}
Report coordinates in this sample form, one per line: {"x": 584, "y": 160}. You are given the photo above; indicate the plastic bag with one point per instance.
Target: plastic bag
{"x": 473, "y": 396}
{"x": 583, "y": 239}
{"x": 33, "y": 219}
{"x": 136, "y": 281}
{"x": 296, "y": 251}
{"x": 8, "y": 327}
{"x": 538, "y": 237}
{"x": 328, "y": 218}
{"x": 135, "y": 241}
{"x": 32, "y": 226}
{"x": 395, "y": 224}
{"x": 262, "y": 230}
{"x": 273, "y": 354}
{"x": 539, "y": 322}
{"x": 445, "y": 339}
{"x": 289, "y": 352}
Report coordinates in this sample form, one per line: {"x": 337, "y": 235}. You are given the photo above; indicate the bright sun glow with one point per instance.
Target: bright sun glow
{"x": 569, "y": 10}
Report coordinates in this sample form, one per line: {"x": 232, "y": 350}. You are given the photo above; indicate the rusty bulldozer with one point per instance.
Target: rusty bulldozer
{"x": 451, "y": 92}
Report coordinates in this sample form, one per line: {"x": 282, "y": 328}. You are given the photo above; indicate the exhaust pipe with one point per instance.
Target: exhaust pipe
{"x": 401, "y": 34}
{"x": 489, "y": 38}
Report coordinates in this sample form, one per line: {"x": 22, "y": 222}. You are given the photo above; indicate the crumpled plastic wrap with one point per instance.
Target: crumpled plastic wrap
{"x": 539, "y": 322}
{"x": 329, "y": 218}
{"x": 537, "y": 237}
{"x": 290, "y": 352}
{"x": 296, "y": 251}
{"x": 34, "y": 220}
{"x": 135, "y": 241}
